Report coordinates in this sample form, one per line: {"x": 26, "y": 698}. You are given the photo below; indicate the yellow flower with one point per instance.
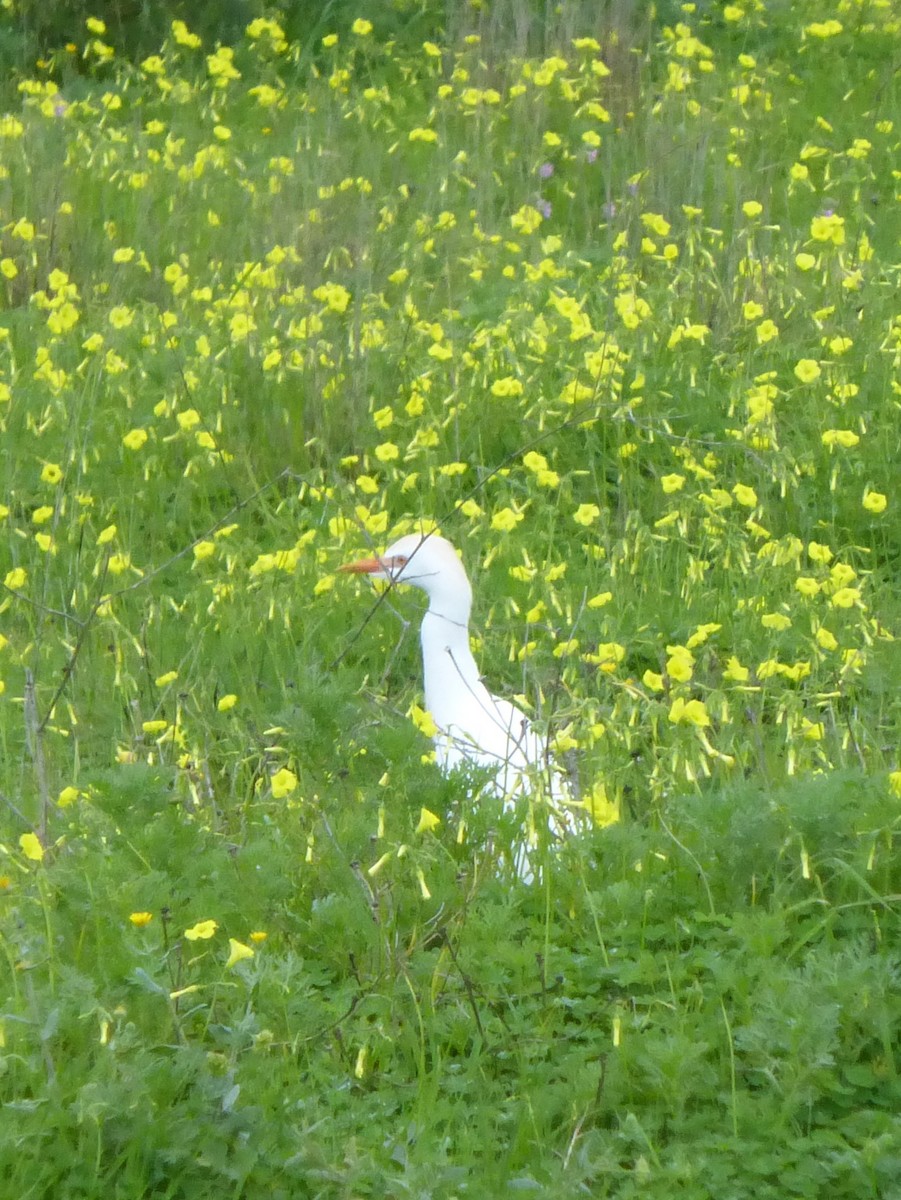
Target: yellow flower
{"x": 119, "y": 563}
{"x": 829, "y": 228}
{"x": 152, "y": 727}
{"x": 600, "y": 599}
{"x": 508, "y": 386}
{"x": 804, "y": 261}
{"x": 894, "y": 783}
{"x": 842, "y": 575}
{"x": 826, "y": 640}
{"x": 227, "y": 703}
{"x": 188, "y": 419}
{"x": 846, "y": 597}
{"x": 656, "y": 223}
{"x": 745, "y": 495}
{"x": 672, "y": 483}
{"x": 701, "y": 634}
{"x": 387, "y": 452}
{"x": 600, "y": 808}
{"x": 164, "y": 680}
{"x": 361, "y": 27}
{"x": 204, "y": 550}
{"x": 140, "y": 919}
{"x": 751, "y": 310}
{"x": 653, "y": 681}
{"x": 183, "y": 35}
{"x": 259, "y": 935}
{"x": 237, "y": 952}
{"x": 824, "y": 29}
{"x": 807, "y": 370}
{"x": 526, "y": 219}
{"x": 202, "y": 931}
{"x": 875, "y": 502}
{"x": 335, "y": 296}
{"x": 221, "y": 67}
{"x": 752, "y": 208}
{"x": 135, "y": 439}
{"x": 818, "y": 553}
{"x": 806, "y": 585}
{"x": 30, "y": 845}
{"x": 16, "y": 578}
{"x": 505, "y": 520}
{"x": 121, "y": 316}
{"x": 608, "y": 656}
{"x": 586, "y": 514}
{"x": 42, "y": 514}
{"x": 23, "y": 229}
{"x": 241, "y": 325}
{"x": 11, "y": 127}
{"x": 735, "y": 672}
{"x": 427, "y": 821}
{"x": 766, "y": 331}
{"x": 52, "y": 473}
{"x": 680, "y": 664}
{"x": 777, "y": 621}
{"x": 423, "y": 721}
{"x": 283, "y": 783}
{"x": 693, "y": 712}
{"x": 846, "y": 438}
{"x": 67, "y": 796}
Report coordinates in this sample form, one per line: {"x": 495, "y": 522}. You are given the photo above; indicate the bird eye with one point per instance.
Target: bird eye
{"x": 400, "y": 560}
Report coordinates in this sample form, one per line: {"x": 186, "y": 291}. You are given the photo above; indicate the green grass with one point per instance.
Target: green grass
{"x": 247, "y": 335}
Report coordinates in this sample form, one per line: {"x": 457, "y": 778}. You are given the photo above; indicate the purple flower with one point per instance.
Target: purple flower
{"x": 591, "y": 154}
{"x": 544, "y": 207}
{"x": 546, "y": 170}
{"x": 609, "y": 210}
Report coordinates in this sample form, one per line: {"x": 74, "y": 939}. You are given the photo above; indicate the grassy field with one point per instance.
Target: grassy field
{"x": 613, "y": 303}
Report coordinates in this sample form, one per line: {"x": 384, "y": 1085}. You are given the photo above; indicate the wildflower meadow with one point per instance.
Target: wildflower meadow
{"x": 609, "y": 295}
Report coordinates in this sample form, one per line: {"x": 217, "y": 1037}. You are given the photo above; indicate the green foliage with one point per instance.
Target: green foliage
{"x": 619, "y": 316}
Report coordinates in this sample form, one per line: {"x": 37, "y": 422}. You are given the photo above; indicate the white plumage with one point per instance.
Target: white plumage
{"x": 473, "y": 726}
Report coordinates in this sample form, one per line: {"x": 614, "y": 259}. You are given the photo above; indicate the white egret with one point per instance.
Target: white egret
{"x": 473, "y": 726}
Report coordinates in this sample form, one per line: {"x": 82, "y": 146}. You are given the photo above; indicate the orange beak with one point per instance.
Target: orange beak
{"x": 363, "y": 566}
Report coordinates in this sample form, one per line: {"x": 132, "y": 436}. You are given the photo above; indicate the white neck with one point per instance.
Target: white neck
{"x": 451, "y": 676}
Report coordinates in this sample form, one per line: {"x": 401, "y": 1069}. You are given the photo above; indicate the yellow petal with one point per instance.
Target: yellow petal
{"x": 427, "y": 821}
{"x": 30, "y": 845}
{"x": 203, "y": 930}
{"x": 237, "y": 952}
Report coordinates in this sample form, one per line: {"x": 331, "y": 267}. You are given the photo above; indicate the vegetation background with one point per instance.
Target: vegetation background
{"x": 608, "y": 293}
